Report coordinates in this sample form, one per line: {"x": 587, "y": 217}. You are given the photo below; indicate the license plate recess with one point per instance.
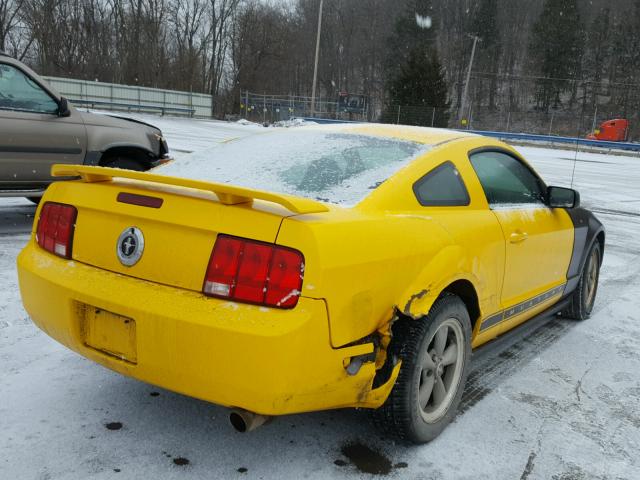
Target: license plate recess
{"x": 109, "y": 333}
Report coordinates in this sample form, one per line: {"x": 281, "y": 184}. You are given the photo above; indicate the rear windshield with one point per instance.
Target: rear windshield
{"x": 333, "y": 167}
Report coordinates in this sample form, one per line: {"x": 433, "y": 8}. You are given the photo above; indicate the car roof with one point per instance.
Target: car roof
{"x": 424, "y": 135}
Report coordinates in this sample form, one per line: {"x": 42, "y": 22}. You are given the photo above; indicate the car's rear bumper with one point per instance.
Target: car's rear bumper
{"x": 268, "y": 361}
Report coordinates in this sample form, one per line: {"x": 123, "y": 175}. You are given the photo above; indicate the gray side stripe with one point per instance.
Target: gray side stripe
{"x": 520, "y": 307}
{"x": 492, "y": 320}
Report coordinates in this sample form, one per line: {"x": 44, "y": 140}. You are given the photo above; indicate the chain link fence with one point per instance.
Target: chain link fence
{"x": 565, "y": 123}
{"x": 560, "y": 122}
{"x": 415, "y": 115}
{"x": 262, "y": 108}
{"x": 546, "y": 106}
{"x": 574, "y": 121}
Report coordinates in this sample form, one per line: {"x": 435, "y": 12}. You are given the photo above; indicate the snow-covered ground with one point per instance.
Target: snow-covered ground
{"x": 564, "y": 403}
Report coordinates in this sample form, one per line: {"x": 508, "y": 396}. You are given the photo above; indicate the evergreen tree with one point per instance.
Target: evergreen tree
{"x": 415, "y": 79}
{"x": 421, "y": 92}
{"x": 556, "y": 50}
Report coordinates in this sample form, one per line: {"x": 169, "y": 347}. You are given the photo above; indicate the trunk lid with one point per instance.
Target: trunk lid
{"x": 179, "y": 220}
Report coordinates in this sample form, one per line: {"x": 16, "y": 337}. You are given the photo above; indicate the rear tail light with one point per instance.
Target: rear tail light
{"x": 254, "y": 272}
{"x": 55, "y": 228}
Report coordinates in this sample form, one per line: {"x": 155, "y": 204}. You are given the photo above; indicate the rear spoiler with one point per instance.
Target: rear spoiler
{"x": 227, "y": 194}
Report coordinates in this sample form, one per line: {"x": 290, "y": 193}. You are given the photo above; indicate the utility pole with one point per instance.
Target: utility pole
{"x": 463, "y": 105}
{"x": 315, "y": 68}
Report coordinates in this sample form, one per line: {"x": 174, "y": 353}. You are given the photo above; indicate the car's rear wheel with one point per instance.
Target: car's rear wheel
{"x": 584, "y": 297}
{"x": 124, "y": 163}
{"x": 435, "y": 353}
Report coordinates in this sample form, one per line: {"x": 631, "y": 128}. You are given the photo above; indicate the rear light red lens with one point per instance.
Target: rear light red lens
{"x": 252, "y": 275}
{"x": 285, "y": 279}
{"x": 55, "y": 228}
{"x": 254, "y": 272}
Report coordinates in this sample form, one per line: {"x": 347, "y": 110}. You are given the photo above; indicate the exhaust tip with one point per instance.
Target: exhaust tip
{"x": 244, "y": 421}
{"x": 238, "y": 422}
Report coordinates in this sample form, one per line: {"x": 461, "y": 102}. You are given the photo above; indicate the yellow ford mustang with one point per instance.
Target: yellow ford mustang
{"x": 322, "y": 267}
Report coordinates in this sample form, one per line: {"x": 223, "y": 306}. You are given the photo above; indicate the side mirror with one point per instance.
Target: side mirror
{"x": 560, "y": 197}
{"x": 63, "y": 107}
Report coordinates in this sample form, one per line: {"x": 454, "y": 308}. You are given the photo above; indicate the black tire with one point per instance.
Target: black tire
{"x": 402, "y": 415}
{"x": 35, "y": 200}
{"x": 124, "y": 163}
{"x": 584, "y": 296}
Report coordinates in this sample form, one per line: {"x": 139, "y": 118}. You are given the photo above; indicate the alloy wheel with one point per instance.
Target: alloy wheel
{"x": 441, "y": 370}
{"x": 592, "y": 277}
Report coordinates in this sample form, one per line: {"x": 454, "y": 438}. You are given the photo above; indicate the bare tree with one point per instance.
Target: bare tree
{"x": 15, "y": 35}
{"x": 10, "y": 17}
{"x": 190, "y": 42}
{"x": 220, "y": 16}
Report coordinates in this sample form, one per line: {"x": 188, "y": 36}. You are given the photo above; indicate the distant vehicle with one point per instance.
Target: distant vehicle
{"x": 38, "y": 128}
{"x": 616, "y": 130}
{"x": 261, "y": 297}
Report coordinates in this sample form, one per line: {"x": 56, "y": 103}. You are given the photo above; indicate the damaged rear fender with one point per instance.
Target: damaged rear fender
{"x": 448, "y": 266}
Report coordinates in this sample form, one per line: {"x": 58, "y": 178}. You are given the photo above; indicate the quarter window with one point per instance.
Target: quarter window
{"x": 20, "y": 92}
{"x": 441, "y": 187}
{"x": 506, "y": 180}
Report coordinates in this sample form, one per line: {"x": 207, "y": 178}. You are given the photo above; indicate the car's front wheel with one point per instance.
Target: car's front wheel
{"x": 584, "y": 296}
{"x": 435, "y": 353}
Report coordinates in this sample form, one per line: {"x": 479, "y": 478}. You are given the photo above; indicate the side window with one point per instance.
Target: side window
{"x": 442, "y": 187}
{"x": 19, "y": 92}
{"x": 506, "y": 180}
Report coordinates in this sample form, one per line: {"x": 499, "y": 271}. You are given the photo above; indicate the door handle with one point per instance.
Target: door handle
{"x": 518, "y": 236}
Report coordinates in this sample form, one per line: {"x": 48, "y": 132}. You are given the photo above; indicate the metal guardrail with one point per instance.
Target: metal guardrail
{"x": 629, "y": 146}
{"x": 135, "y": 107}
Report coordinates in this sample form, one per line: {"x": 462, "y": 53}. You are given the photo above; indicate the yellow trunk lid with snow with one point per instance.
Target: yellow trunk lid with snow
{"x": 274, "y": 287}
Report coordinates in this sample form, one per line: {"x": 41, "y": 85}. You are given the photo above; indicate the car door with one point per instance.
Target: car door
{"x": 32, "y": 135}
{"x": 538, "y": 239}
